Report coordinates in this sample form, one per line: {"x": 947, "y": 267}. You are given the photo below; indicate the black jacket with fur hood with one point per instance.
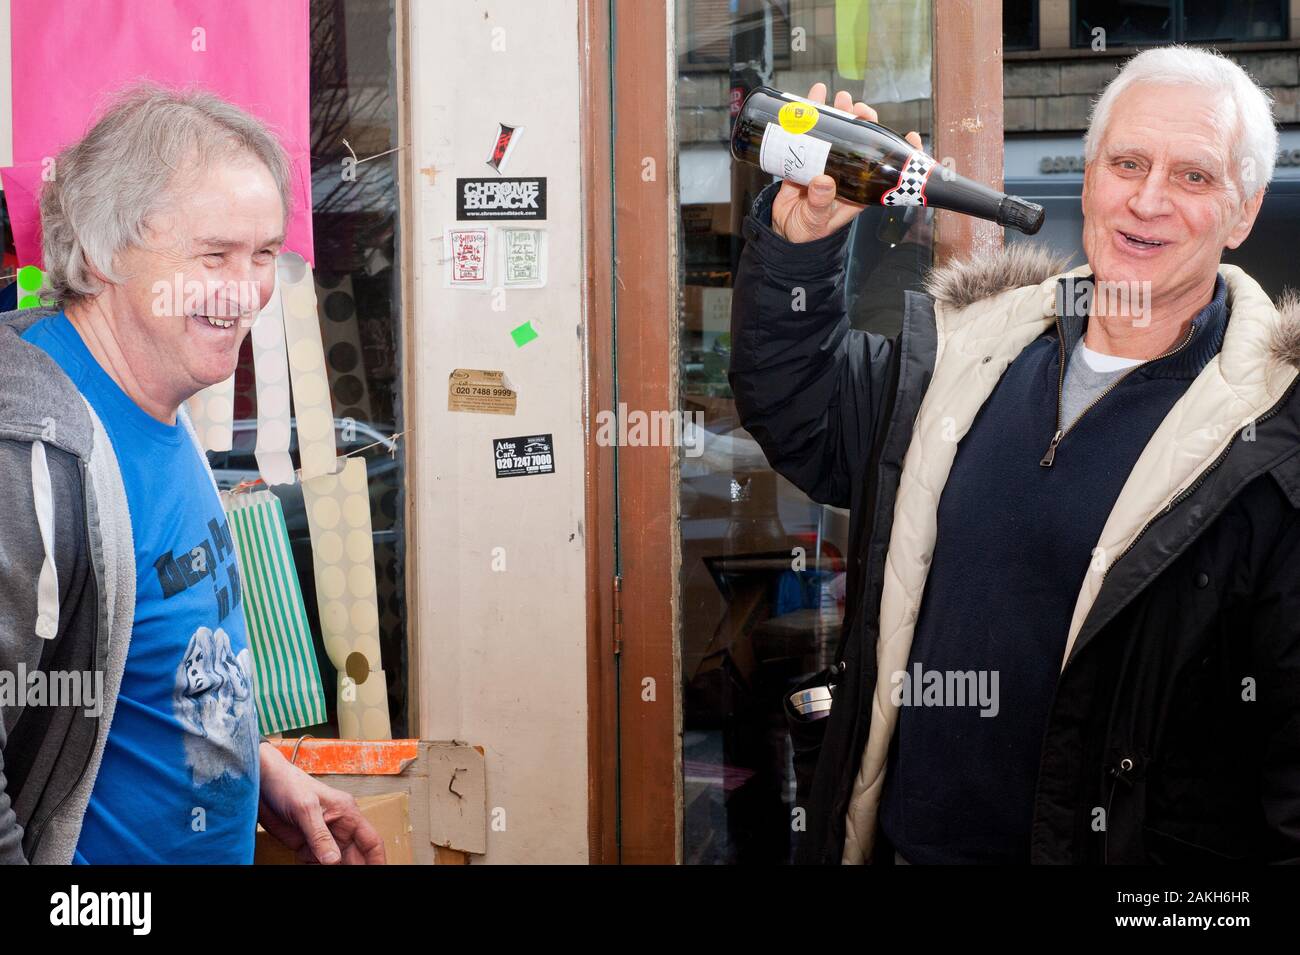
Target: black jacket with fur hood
{"x": 1174, "y": 734}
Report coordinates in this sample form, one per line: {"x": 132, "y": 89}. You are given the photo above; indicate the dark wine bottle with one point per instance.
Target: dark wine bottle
{"x": 793, "y": 138}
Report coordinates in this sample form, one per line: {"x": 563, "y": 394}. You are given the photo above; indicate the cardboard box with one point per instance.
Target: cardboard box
{"x": 389, "y": 813}
{"x": 445, "y": 783}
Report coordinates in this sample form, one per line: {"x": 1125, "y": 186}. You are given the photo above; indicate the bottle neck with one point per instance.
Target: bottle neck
{"x": 947, "y": 190}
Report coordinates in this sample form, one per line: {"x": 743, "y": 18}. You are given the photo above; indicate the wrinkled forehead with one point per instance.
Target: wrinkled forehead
{"x": 1188, "y": 122}
{"x": 223, "y": 205}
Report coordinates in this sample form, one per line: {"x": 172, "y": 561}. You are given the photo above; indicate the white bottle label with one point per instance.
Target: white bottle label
{"x": 797, "y": 157}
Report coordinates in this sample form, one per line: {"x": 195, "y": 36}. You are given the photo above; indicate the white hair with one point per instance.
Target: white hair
{"x": 1247, "y": 108}
{"x": 108, "y": 185}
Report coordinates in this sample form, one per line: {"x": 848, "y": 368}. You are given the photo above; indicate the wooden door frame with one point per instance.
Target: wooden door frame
{"x": 630, "y": 248}
{"x": 628, "y": 89}
{"x": 968, "y": 115}
{"x": 600, "y": 464}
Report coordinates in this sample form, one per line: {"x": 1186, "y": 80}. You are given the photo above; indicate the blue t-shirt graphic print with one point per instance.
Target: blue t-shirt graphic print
{"x": 179, "y": 777}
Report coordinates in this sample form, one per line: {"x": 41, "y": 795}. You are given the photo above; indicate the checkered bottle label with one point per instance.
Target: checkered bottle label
{"x": 910, "y": 190}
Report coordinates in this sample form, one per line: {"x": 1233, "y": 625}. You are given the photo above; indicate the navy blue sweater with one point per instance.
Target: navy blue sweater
{"x": 1014, "y": 542}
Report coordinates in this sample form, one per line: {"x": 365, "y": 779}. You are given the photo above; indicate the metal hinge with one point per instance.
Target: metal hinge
{"x": 618, "y": 615}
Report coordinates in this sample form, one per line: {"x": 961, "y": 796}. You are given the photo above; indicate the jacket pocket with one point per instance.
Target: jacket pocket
{"x": 806, "y": 736}
{"x": 1168, "y": 848}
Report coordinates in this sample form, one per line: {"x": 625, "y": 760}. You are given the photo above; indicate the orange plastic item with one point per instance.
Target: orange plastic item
{"x": 350, "y": 757}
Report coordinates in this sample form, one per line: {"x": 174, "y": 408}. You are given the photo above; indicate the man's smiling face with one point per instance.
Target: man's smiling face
{"x": 1162, "y": 197}
{"x": 220, "y": 237}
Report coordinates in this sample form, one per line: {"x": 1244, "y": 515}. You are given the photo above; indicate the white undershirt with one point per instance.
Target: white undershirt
{"x": 1101, "y": 362}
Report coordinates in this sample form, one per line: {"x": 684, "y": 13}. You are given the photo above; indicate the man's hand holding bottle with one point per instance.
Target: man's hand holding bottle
{"x": 804, "y": 213}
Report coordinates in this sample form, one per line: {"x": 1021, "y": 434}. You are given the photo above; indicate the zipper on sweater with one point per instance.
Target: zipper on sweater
{"x": 1050, "y": 454}
{"x": 38, "y": 831}
{"x": 1116, "y": 773}
{"x": 1204, "y": 475}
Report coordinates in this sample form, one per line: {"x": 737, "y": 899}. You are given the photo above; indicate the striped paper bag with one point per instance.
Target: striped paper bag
{"x": 288, "y": 685}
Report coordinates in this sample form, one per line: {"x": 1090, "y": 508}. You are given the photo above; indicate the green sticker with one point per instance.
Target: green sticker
{"x": 29, "y": 301}
{"x": 30, "y": 278}
{"x": 524, "y": 334}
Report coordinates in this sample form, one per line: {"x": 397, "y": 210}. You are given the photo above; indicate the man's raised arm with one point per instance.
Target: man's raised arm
{"x": 801, "y": 376}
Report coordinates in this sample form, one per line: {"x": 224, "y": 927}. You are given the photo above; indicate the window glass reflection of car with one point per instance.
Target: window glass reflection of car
{"x": 239, "y": 464}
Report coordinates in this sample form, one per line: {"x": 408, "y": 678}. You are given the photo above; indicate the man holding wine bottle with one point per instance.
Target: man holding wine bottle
{"x": 1088, "y": 501}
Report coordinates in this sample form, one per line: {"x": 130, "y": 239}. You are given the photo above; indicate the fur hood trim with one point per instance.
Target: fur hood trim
{"x": 961, "y": 283}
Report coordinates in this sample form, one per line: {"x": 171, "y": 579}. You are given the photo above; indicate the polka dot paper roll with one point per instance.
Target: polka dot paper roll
{"x": 212, "y": 413}
{"x": 271, "y": 375}
{"x": 313, "y": 409}
{"x": 343, "y": 551}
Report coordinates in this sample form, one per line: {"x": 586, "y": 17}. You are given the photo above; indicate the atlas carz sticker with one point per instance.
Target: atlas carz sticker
{"x": 524, "y": 456}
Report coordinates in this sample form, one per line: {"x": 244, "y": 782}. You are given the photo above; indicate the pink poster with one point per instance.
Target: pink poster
{"x": 69, "y": 56}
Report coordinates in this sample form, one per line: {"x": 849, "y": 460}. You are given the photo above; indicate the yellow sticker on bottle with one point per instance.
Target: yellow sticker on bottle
{"x": 797, "y": 117}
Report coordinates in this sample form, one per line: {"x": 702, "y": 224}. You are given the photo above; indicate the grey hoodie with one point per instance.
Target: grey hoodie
{"x": 67, "y": 593}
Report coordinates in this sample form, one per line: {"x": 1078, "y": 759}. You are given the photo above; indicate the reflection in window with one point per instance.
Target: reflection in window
{"x": 763, "y": 567}
{"x": 354, "y": 221}
{"x": 1149, "y": 22}
{"x": 1020, "y": 24}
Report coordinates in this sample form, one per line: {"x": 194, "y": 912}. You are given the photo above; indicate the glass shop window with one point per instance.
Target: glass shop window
{"x": 754, "y": 620}
{"x": 355, "y": 222}
{"x": 1150, "y": 22}
{"x": 354, "y": 112}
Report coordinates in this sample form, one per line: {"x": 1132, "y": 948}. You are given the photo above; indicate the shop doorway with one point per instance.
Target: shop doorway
{"x": 715, "y": 583}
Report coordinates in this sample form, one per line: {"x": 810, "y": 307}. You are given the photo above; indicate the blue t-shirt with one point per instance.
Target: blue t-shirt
{"x": 179, "y": 778}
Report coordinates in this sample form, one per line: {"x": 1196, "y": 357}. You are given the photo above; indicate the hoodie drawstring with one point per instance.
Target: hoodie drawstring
{"x": 47, "y": 586}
